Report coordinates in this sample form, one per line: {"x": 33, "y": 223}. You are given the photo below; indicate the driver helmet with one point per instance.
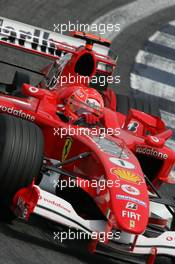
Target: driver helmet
{"x": 84, "y": 101}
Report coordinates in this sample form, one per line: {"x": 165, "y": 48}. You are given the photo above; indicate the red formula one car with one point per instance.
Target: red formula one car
{"x": 68, "y": 156}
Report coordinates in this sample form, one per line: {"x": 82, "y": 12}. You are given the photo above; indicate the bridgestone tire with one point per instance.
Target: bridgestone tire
{"x": 21, "y": 155}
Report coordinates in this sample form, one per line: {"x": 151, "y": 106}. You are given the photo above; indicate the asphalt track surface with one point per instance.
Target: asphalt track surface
{"x": 33, "y": 243}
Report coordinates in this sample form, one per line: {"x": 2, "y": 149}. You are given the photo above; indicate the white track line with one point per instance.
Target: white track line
{"x": 152, "y": 87}
{"x": 147, "y": 85}
{"x": 131, "y": 13}
{"x": 170, "y": 143}
{"x": 172, "y": 23}
{"x": 163, "y": 39}
{"x": 153, "y": 60}
{"x": 169, "y": 118}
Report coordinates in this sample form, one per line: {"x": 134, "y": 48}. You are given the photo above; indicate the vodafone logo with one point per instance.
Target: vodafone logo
{"x": 155, "y": 139}
{"x": 33, "y": 89}
{"x": 130, "y": 189}
{"x": 170, "y": 238}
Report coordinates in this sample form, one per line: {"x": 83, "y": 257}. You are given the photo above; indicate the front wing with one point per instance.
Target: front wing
{"x": 60, "y": 211}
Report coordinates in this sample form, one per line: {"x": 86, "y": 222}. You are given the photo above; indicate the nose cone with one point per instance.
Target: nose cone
{"x": 130, "y": 202}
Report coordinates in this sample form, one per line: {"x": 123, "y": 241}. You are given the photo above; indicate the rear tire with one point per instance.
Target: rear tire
{"x": 21, "y": 155}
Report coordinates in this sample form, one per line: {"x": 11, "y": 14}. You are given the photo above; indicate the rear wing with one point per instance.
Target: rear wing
{"x": 43, "y": 42}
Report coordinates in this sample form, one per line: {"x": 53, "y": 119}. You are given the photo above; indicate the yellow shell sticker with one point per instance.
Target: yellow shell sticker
{"x": 66, "y": 148}
{"x": 127, "y": 175}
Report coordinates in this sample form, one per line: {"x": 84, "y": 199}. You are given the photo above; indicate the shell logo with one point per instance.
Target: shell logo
{"x": 127, "y": 175}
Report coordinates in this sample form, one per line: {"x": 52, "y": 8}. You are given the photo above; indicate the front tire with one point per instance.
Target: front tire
{"x": 21, "y": 155}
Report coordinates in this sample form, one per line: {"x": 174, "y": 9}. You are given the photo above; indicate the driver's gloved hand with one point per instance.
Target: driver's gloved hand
{"x": 91, "y": 119}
